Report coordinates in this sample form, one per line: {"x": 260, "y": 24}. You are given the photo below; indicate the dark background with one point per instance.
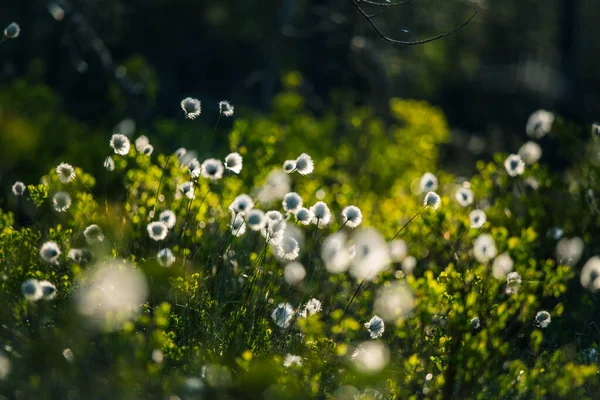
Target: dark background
{"x": 113, "y": 59}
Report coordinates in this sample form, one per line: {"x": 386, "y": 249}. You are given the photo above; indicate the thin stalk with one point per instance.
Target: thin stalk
{"x": 409, "y": 221}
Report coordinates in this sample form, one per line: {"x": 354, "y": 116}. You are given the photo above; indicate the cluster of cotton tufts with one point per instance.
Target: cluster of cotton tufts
{"x": 513, "y": 283}
{"x": 477, "y": 218}
{"x": 233, "y": 162}
{"x": 502, "y": 265}
{"x": 165, "y": 257}
{"x": 294, "y": 273}
{"x": 50, "y": 252}
{"x": 157, "y": 230}
{"x": 590, "y": 274}
{"x": 321, "y": 214}
{"x": 120, "y": 144}
{"x": 65, "y": 172}
{"x": 375, "y": 326}
{"x": 371, "y": 254}
{"x": 110, "y": 294}
{"x": 304, "y": 164}
{"x": 18, "y": 188}
{"x": 93, "y": 234}
{"x": 191, "y": 107}
{"x": 34, "y": 290}
{"x": 432, "y": 200}
{"x": 109, "y": 164}
{"x": 539, "y": 124}
{"x": 283, "y": 315}
{"x": 569, "y": 251}
{"x": 274, "y": 227}
{"x": 371, "y": 357}
{"x": 428, "y": 183}
{"x": 464, "y": 196}
{"x": 514, "y": 165}
{"x": 335, "y": 254}
{"x": 291, "y": 359}
{"x": 225, "y": 108}
{"x": 398, "y": 250}
{"x": 530, "y": 152}
{"x": 543, "y": 319}
{"x": 61, "y": 201}
{"x": 394, "y": 301}
{"x": 212, "y": 169}
{"x": 351, "y": 216}
{"x": 187, "y": 188}
{"x": 256, "y": 219}
{"x": 292, "y": 202}
{"x": 484, "y": 248}
{"x": 237, "y": 225}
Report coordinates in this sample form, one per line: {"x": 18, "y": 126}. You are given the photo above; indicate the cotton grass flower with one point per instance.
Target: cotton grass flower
{"x": 289, "y": 166}
{"x": 61, "y": 201}
{"x": 18, "y": 188}
{"x": 93, "y": 234}
{"x": 238, "y": 225}
{"x": 194, "y": 168}
{"x": 475, "y": 323}
{"x": 321, "y": 214}
{"x": 120, "y": 144}
{"x": 394, "y": 301}
{"x": 241, "y": 204}
{"x": 288, "y": 248}
{"x": 543, "y": 319}
{"x": 351, "y": 216}
{"x": 530, "y": 152}
{"x": 212, "y": 169}
{"x": 141, "y": 142}
{"x": 191, "y": 107}
{"x": 428, "y": 183}
{"x": 432, "y": 200}
{"x": 371, "y": 357}
{"x": 408, "y": 265}
{"x": 398, "y": 250}
{"x": 187, "y": 188}
{"x": 274, "y": 228}
{"x": 484, "y": 248}
{"x": 375, "y": 326}
{"x": 539, "y": 124}
{"x": 65, "y": 172}
{"x": 372, "y": 256}
{"x": 304, "y": 164}
{"x": 294, "y": 273}
{"x": 225, "y": 109}
{"x": 157, "y": 230}
{"x": 514, "y": 165}
{"x": 590, "y": 274}
{"x": 256, "y": 219}
{"x": 32, "y": 290}
{"x": 12, "y": 31}
{"x": 48, "y": 290}
{"x": 464, "y": 196}
{"x": 168, "y": 218}
{"x": 76, "y": 255}
{"x": 109, "y": 164}
{"x": 502, "y": 265}
{"x": 233, "y": 162}
{"x": 148, "y": 149}
{"x": 291, "y": 359}
{"x": 304, "y": 216}
{"x": 477, "y": 218}
{"x": 334, "y": 253}
{"x": 292, "y": 202}
{"x": 180, "y": 153}
{"x": 282, "y": 315}
{"x": 569, "y": 251}
{"x": 165, "y": 258}
{"x": 513, "y": 282}
{"x": 312, "y": 307}
{"x": 50, "y": 252}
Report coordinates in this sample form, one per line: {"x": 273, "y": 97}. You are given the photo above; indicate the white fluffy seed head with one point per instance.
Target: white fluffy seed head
{"x": 169, "y": 218}
{"x": 191, "y": 107}
{"x": 225, "y": 108}
{"x": 543, "y": 319}
{"x": 289, "y": 166}
{"x": 428, "y": 183}
{"x": 165, "y": 257}
{"x": 32, "y": 290}
{"x": 304, "y": 216}
{"x": 514, "y": 165}
{"x": 65, "y": 172}
{"x": 48, "y": 290}
{"x": 502, "y": 265}
{"x": 194, "y": 168}
{"x": 256, "y": 219}
{"x": 61, "y": 201}
{"x": 398, "y": 250}
{"x": 292, "y": 202}
{"x": 77, "y": 255}
{"x": 590, "y": 274}
{"x": 394, "y": 301}
{"x": 569, "y": 251}
{"x": 288, "y": 248}
{"x": 464, "y": 196}
{"x": 321, "y": 214}
{"x": 351, "y": 216}
{"x": 304, "y": 164}
{"x": 335, "y": 254}
{"x": 18, "y": 188}
{"x": 50, "y": 252}
{"x": 477, "y": 218}
{"x": 157, "y": 230}
{"x": 312, "y": 307}
{"x": 283, "y": 315}
{"x": 109, "y": 164}
{"x": 371, "y": 357}
{"x": 291, "y": 359}
{"x": 375, "y": 326}
{"x": 530, "y": 152}
{"x": 141, "y": 142}
{"x": 294, "y": 273}
{"x": 238, "y": 225}
{"x": 484, "y": 248}
{"x": 233, "y": 162}
{"x": 241, "y": 204}
{"x": 120, "y": 144}
{"x": 93, "y": 234}
{"x": 212, "y": 169}
{"x": 12, "y": 30}
{"x": 187, "y": 188}
{"x": 539, "y": 124}
{"x": 371, "y": 254}
{"x": 148, "y": 149}
{"x": 513, "y": 282}
{"x": 432, "y": 200}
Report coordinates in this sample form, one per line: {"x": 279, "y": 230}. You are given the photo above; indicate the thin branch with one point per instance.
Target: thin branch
{"x": 375, "y": 3}
{"x": 356, "y": 5}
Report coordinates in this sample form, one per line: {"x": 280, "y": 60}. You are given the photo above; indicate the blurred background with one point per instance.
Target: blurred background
{"x": 82, "y": 67}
